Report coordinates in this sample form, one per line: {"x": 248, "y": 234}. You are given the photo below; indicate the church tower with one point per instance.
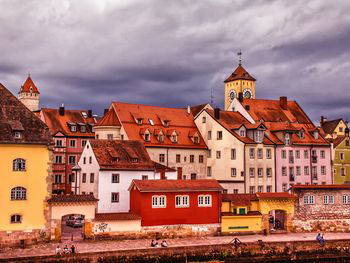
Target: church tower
{"x": 239, "y": 81}
{"x": 29, "y": 95}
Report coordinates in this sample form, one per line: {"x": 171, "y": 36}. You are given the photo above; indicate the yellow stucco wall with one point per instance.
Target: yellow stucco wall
{"x": 237, "y": 86}
{"x": 225, "y": 207}
{"x": 241, "y": 224}
{"x": 88, "y": 210}
{"x": 267, "y": 205}
{"x": 33, "y": 179}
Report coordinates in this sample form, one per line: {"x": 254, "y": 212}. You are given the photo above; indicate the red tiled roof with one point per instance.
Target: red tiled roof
{"x": 320, "y": 186}
{"x": 179, "y": 121}
{"x": 329, "y": 126}
{"x": 109, "y": 119}
{"x": 239, "y": 73}
{"x": 275, "y": 195}
{"x": 176, "y": 185}
{"x": 72, "y": 198}
{"x": 118, "y": 155}
{"x": 15, "y": 117}
{"x": 239, "y": 199}
{"x": 160, "y": 168}
{"x": 198, "y": 108}
{"x": 29, "y": 86}
{"x": 59, "y": 123}
{"x": 116, "y": 216}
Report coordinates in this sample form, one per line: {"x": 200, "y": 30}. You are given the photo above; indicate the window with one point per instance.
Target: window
{"x": 314, "y": 170}
{"x": 269, "y": 188}
{"x": 161, "y": 137}
{"x": 92, "y": 177}
{"x": 18, "y": 193}
{"x": 73, "y": 128}
{"x": 19, "y": 164}
{"x": 18, "y": 135}
{"x": 328, "y": 199}
{"x": 322, "y": 154}
{"x": 298, "y": 172}
{"x": 284, "y": 171}
{"x": 341, "y": 156}
{"x": 209, "y": 135}
{"x": 182, "y": 201}
{"x": 83, "y": 179}
{"x": 347, "y": 143}
{"x": 144, "y": 177}
{"x": 306, "y": 154}
{"x": 147, "y": 137}
{"x": 251, "y": 153}
{"x": 259, "y": 135}
{"x": 16, "y": 219}
{"x": 268, "y": 172}
{"x": 196, "y": 139}
{"x": 193, "y": 176}
{"x": 114, "y": 197}
{"x": 72, "y": 143}
{"x": 219, "y": 135}
{"x": 115, "y": 178}
{"x": 346, "y": 199}
{"x": 204, "y": 200}
{"x": 161, "y": 158}
{"x": 252, "y": 189}
{"x": 58, "y": 178}
{"x": 260, "y": 153}
{"x": 242, "y": 133}
{"x": 209, "y": 153}
{"x": 218, "y": 155}
{"x": 283, "y": 154}
{"x": 235, "y": 191}
{"x": 83, "y": 143}
{"x": 309, "y": 200}
{"x": 201, "y": 159}
{"x": 174, "y": 138}
{"x": 158, "y": 201}
{"x": 83, "y": 128}
{"x": 297, "y": 154}
{"x": 233, "y": 172}
{"x": 71, "y": 159}
{"x": 306, "y": 170}
{"x": 233, "y": 154}
{"x": 260, "y": 188}
{"x": 287, "y": 138}
{"x": 71, "y": 178}
{"x": 90, "y": 159}
{"x": 58, "y": 159}
{"x": 178, "y": 158}
{"x": 134, "y": 160}
{"x": 191, "y": 158}
{"x": 241, "y": 211}
{"x": 59, "y": 143}
{"x": 284, "y": 187}
{"x": 251, "y": 172}
{"x": 84, "y": 160}
{"x": 260, "y": 172}
{"x": 204, "y": 120}
{"x": 323, "y": 170}
{"x": 209, "y": 171}
{"x": 268, "y": 153}
{"x": 110, "y": 136}
{"x": 342, "y": 171}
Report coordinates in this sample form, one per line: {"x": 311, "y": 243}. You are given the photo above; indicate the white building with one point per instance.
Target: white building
{"x": 107, "y": 168}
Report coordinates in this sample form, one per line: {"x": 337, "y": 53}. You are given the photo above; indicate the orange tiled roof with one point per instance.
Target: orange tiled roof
{"x": 176, "y": 185}
{"x": 116, "y": 216}
{"x": 109, "y": 119}
{"x": 178, "y": 120}
{"x": 29, "y": 86}
{"x": 239, "y": 199}
{"x": 60, "y": 123}
{"x": 276, "y": 195}
{"x": 239, "y": 73}
{"x": 15, "y": 117}
{"x": 118, "y": 155}
{"x": 72, "y": 198}
{"x": 320, "y": 186}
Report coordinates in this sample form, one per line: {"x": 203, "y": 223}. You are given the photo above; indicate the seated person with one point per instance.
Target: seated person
{"x": 164, "y": 244}
{"x": 154, "y": 243}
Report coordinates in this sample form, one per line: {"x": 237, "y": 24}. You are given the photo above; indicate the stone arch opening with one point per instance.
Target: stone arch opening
{"x": 277, "y": 220}
{"x": 72, "y": 227}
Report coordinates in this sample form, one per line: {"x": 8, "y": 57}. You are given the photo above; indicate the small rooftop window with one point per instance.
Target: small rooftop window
{"x": 151, "y": 122}
{"x": 134, "y": 160}
{"x": 84, "y": 114}
{"x": 18, "y": 135}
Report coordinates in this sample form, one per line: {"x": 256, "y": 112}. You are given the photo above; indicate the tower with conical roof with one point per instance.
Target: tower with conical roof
{"x": 239, "y": 81}
{"x": 29, "y": 94}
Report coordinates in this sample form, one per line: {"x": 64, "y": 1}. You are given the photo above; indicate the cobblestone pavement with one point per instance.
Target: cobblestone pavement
{"x": 97, "y": 246}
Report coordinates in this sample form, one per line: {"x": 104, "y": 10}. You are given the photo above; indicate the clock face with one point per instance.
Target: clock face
{"x": 232, "y": 94}
{"x": 247, "y": 93}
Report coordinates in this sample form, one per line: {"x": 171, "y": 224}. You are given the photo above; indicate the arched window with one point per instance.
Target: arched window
{"x": 18, "y": 193}
{"x": 16, "y": 219}
{"x": 19, "y": 164}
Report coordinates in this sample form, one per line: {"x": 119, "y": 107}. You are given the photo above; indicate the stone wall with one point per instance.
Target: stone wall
{"x": 14, "y": 238}
{"x": 341, "y": 225}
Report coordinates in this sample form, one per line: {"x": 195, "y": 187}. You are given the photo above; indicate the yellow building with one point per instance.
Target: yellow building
{"x": 333, "y": 128}
{"x": 24, "y": 172}
{"x": 341, "y": 158}
{"x": 240, "y": 81}
{"x": 256, "y": 213}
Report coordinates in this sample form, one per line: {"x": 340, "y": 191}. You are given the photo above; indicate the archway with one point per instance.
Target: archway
{"x": 277, "y": 220}
{"x": 72, "y": 227}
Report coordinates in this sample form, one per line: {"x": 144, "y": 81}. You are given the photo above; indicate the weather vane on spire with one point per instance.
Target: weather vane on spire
{"x": 240, "y": 57}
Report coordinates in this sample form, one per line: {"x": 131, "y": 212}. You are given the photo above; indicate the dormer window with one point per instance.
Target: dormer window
{"x": 73, "y": 128}
{"x": 151, "y": 122}
{"x": 242, "y": 133}
{"x": 147, "y": 137}
{"x": 139, "y": 121}
{"x": 301, "y": 134}
{"x": 83, "y": 128}
{"x": 259, "y": 135}
{"x": 287, "y": 138}
{"x": 134, "y": 160}
{"x": 161, "y": 138}
{"x": 174, "y": 138}
{"x": 316, "y": 135}
{"x": 18, "y": 135}
{"x": 166, "y": 123}
{"x": 196, "y": 139}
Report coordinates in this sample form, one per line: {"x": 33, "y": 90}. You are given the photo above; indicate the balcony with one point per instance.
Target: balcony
{"x": 59, "y": 167}
{"x": 291, "y": 178}
{"x": 314, "y": 159}
{"x": 58, "y": 186}
{"x": 291, "y": 159}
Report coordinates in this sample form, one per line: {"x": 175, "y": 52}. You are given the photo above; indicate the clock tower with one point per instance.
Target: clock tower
{"x": 239, "y": 81}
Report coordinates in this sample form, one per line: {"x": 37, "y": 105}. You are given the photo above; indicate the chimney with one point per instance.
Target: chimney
{"x": 61, "y": 110}
{"x": 347, "y": 131}
{"x": 283, "y": 103}
{"x": 323, "y": 120}
{"x": 89, "y": 113}
{"x": 240, "y": 96}
{"x": 179, "y": 173}
{"x": 105, "y": 111}
{"x": 188, "y": 109}
{"x": 217, "y": 113}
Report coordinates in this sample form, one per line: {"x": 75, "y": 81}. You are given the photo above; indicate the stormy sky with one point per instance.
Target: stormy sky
{"x": 87, "y": 53}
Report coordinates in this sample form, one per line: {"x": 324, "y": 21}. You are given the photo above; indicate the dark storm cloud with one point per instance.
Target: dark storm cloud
{"x": 175, "y": 53}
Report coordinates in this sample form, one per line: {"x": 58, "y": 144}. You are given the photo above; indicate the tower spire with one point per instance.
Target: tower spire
{"x": 239, "y": 57}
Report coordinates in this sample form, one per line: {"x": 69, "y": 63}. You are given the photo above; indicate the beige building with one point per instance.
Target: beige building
{"x": 169, "y": 135}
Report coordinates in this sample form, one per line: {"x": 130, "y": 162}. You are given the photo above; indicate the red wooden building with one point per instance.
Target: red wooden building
{"x": 174, "y": 202}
